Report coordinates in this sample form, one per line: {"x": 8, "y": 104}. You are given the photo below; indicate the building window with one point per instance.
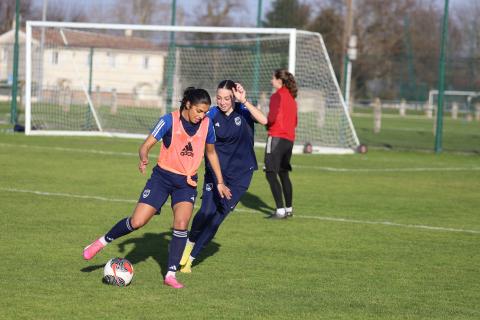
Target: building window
{"x": 146, "y": 62}
{"x": 55, "y": 57}
{"x": 111, "y": 59}
{"x": 4, "y": 55}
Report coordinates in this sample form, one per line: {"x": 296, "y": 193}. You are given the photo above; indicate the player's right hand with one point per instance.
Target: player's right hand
{"x": 224, "y": 191}
{"x": 142, "y": 165}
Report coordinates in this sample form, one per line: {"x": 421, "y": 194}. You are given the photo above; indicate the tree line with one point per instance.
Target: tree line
{"x": 398, "y": 41}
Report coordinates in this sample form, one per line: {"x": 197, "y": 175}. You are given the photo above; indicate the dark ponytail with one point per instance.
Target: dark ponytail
{"x": 288, "y": 80}
{"x": 227, "y": 84}
{"x": 195, "y": 96}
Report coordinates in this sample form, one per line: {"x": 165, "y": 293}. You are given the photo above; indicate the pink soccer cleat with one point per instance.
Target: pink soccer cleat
{"x": 172, "y": 282}
{"x": 90, "y": 251}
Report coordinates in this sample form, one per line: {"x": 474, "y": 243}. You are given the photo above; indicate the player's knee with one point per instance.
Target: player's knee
{"x": 271, "y": 175}
{"x": 138, "y": 222}
{"x": 283, "y": 174}
{"x": 181, "y": 224}
{"x": 216, "y": 224}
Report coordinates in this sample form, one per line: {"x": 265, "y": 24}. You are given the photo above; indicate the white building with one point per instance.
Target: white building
{"x": 131, "y": 67}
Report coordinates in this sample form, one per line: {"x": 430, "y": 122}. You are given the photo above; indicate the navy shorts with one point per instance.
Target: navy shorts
{"x": 163, "y": 183}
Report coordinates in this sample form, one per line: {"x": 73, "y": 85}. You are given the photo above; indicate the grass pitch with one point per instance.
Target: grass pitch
{"x": 417, "y": 132}
{"x": 386, "y": 235}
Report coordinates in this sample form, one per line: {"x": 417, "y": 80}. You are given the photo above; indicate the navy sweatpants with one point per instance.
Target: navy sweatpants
{"x": 215, "y": 209}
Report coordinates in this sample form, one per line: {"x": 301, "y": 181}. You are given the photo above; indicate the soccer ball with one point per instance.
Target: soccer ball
{"x": 362, "y": 149}
{"x": 118, "y": 272}
{"x": 307, "y": 148}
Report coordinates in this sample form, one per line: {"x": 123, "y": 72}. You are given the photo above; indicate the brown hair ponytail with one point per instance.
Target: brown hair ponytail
{"x": 288, "y": 80}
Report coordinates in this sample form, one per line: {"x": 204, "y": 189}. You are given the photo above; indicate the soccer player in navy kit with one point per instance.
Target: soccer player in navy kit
{"x": 234, "y": 130}
{"x": 186, "y": 135}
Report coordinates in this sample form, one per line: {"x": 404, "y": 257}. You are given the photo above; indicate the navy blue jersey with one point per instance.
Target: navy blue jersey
{"x": 163, "y": 129}
{"x": 234, "y": 141}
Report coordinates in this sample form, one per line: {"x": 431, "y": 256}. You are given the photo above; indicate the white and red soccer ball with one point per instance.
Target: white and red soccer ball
{"x": 118, "y": 272}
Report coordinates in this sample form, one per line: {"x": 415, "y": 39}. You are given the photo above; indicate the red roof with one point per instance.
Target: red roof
{"x": 85, "y": 39}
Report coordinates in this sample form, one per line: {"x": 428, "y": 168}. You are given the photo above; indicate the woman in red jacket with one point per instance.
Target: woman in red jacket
{"x": 282, "y": 121}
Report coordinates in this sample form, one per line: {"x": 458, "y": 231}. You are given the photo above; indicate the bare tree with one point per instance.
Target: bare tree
{"x": 61, "y": 11}
{"x": 7, "y": 13}
{"x": 468, "y": 52}
{"x": 218, "y": 13}
{"x": 380, "y": 29}
{"x": 141, "y": 11}
{"x": 288, "y": 14}
{"x": 329, "y": 23}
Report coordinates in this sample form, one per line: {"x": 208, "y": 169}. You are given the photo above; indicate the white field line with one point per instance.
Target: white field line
{"x": 393, "y": 116}
{"x": 324, "y": 218}
{"x": 93, "y": 151}
{"x": 387, "y": 169}
{"x": 66, "y": 195}
{"x": 331, "y": 169}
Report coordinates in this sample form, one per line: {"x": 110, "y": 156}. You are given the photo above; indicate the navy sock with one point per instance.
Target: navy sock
{"x": 122, "y": 228}
{"x": 177, "y": 245}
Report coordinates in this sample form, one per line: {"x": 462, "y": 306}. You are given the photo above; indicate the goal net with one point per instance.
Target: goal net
{"x": 117, "y": 80}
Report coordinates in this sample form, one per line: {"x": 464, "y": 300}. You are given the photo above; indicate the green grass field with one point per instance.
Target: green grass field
{"x": 416, "y": 132}
{"x": 386, "y": 235}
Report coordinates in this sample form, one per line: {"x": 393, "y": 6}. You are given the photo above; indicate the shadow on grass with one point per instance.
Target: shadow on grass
{"x": 92, "y": 268}
{"x": 154, "y": 245}
{"x": 253, "y": 202}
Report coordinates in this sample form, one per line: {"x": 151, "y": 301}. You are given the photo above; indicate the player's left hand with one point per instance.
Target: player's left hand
{"x": 239, "y": 92}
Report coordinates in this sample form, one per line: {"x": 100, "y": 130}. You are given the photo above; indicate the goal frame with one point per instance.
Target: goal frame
{"x": 468, "y": 94}
{"x": 291, "y": 32}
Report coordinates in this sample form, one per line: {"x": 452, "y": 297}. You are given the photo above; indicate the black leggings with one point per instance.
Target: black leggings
{"x": 284, "y": 186}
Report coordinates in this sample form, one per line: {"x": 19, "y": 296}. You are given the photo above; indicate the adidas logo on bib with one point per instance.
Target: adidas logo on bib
{"x": 187, "y": 150}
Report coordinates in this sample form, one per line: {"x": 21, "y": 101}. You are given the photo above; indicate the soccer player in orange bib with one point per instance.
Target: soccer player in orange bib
{"x": 186, "y": 136}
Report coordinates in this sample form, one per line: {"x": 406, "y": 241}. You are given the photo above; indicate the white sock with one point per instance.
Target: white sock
{"x": 281, "y": 211}
{"x": 290, "y": 209}
{"x": 171, "y": 274}
{"x": 103, "y": 241}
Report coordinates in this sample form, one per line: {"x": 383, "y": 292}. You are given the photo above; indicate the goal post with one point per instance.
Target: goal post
{"x": 117, "y": 80}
